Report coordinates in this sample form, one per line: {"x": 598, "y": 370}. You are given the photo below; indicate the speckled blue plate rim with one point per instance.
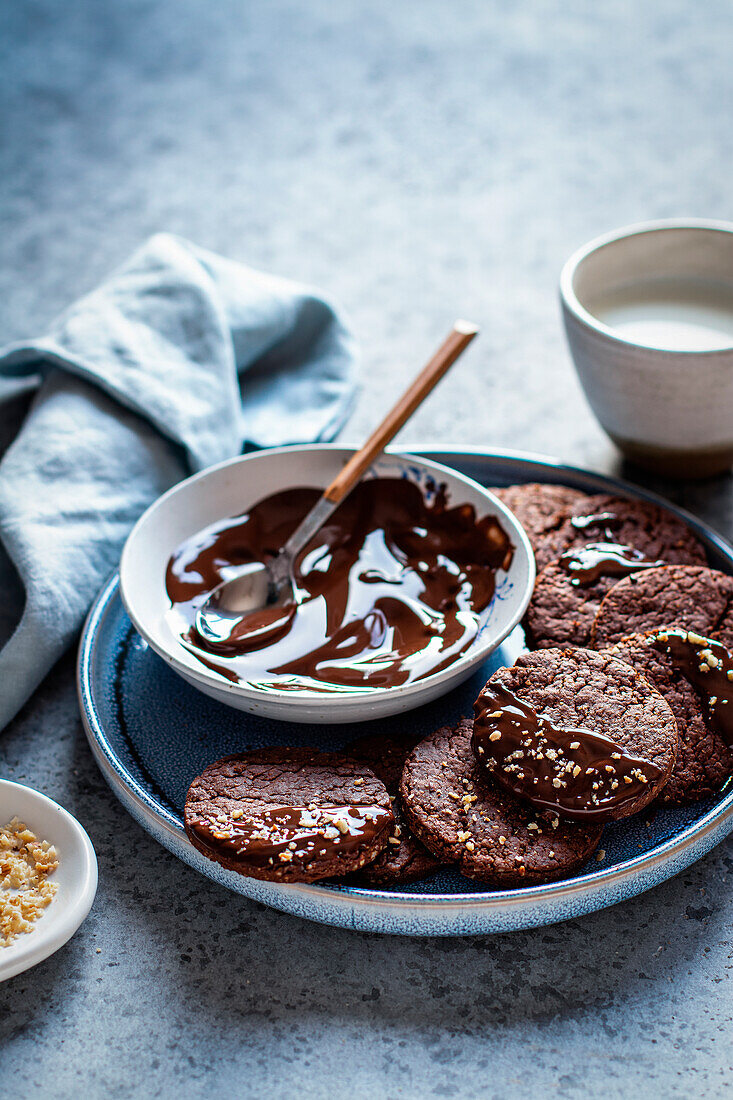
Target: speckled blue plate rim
{"x": 399, "y": 913}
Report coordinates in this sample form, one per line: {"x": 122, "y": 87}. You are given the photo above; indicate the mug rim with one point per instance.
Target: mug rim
{"x": 574, "y": 306}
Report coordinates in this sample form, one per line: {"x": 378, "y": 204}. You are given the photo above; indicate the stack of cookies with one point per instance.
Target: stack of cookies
{"x": 623, "y": 700}
{"x": 612, "y": 575}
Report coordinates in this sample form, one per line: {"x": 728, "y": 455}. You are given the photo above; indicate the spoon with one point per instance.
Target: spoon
{"x": 268, "y": 588}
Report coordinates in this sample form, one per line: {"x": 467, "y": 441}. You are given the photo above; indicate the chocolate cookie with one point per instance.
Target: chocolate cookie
{"x": 694, "y": 597}
{"x": 288, "y": 815}
{"x": 561, "y": 611}
{"x": 541, "y": 510}
{"x": 704, "y": 760}
{"x": 576, "y": 732}
{"x": 465, "y": 818}
{"x": 621, "y": 538}
{"x": 619, "y": 521}
{"x": 404, "y": 859}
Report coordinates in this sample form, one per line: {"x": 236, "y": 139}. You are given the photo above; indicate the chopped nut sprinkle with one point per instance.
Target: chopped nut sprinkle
{"x": 25, "y": 864}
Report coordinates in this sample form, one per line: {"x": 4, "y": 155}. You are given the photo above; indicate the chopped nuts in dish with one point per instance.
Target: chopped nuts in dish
{"x": 25, "y": 866}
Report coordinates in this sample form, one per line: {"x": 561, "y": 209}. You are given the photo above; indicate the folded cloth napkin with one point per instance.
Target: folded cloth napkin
{"x": 181, "y": 359}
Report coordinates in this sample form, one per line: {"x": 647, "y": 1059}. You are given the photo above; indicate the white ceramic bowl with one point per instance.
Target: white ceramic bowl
{"x": 76, "y": 876}
{"x": 671, "y": 411}
{"x": 232, "y": 487}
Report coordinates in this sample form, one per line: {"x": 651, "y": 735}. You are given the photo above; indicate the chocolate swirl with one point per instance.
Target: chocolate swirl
{"x": 577, "y": 773}
{"x": 389, "y": 591}
{"x": 587, "y": 564}
{"x": 606, "y": 521}
{"x": 284, "y": 833}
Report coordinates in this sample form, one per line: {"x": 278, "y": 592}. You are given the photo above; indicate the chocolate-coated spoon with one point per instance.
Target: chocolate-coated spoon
{"x": 258, "y": 585}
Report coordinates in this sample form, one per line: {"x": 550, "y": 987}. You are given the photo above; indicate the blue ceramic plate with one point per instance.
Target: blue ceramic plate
{"x": 151, "y": 733}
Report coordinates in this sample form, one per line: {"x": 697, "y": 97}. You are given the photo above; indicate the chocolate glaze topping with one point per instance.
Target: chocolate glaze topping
{"x": 587, "y": 564}
{"x": 288, "y": 832}
{"x": 577, "y": 773}
{"x": 604, "y": 520}
{"x": 389, "y": 590}
{"x": 708, "y": 665}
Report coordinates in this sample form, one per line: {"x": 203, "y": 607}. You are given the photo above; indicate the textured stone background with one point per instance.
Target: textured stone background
{"x": 420, "y": 161}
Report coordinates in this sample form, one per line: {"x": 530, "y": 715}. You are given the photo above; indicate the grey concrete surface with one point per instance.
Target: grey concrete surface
{"x": 420, "y": 161}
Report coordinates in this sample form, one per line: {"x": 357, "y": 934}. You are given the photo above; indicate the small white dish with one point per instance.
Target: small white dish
{"x": 76, "y": 876}
{"x": 668, "y": 407}
{"x": 231, "y": 488}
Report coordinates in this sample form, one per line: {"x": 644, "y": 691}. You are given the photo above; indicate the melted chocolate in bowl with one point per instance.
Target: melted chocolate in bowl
{"x": 389, "y": 591}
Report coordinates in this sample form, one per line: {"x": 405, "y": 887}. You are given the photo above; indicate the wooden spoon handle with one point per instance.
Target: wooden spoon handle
{"x": 457, "y": 341}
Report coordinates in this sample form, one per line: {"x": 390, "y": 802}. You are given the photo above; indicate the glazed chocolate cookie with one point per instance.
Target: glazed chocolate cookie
{"x": 622, "y": 538}
{"x": 404, "y": 859}
{"x": 289, "y": 815}
{"x": 541, "y": 510}
{"x": 694, "y": 597}
{"x": 619, "y": 521}
{"x": 465, "y": 818}
{"x": 704, "y": 759}
{"x": 575, "y": 732}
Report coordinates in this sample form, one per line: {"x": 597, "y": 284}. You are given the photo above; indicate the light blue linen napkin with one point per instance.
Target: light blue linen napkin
{"x": 179, "y": 360}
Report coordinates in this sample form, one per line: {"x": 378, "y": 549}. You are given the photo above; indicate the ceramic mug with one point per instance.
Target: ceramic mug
{"x": 668, "y": 410}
